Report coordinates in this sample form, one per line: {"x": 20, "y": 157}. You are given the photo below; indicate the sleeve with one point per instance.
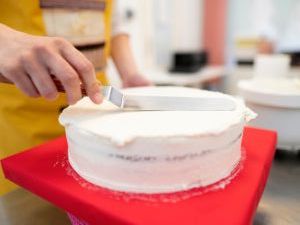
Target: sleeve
{"x": 119, "y": 23}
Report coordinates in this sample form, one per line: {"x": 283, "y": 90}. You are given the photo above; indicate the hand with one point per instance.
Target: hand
{"x": 265, "y": 46}
{"x": 29, "y": 61}
{"x": 136, "y": 81}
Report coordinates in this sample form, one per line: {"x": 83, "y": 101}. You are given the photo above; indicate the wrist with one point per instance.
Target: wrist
{"x": 130, "y": 75}
{"x": 7, "y": 32}
{"x": 136, "y": 80}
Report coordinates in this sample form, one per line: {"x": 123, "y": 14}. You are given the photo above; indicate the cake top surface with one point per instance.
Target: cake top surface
{"x": 122, "y": 126}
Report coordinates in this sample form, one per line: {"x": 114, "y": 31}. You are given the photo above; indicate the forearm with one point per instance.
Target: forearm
{"x": 122, "y": 56}
{"x": 5, "y": 30}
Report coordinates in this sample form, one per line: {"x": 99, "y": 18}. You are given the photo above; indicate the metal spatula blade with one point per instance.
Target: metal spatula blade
{"x": 158, "y": 103}
{"x": 166, "y": 103}
{"x": 113, "y": 95}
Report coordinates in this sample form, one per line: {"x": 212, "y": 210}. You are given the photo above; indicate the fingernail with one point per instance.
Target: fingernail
{"x": 98, "y": 98}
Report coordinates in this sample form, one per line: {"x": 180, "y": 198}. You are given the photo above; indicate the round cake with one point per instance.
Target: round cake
{"x": 154, "y": 151}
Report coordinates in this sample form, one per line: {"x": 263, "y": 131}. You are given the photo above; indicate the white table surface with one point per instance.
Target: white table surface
{"x": 163, "y": 77}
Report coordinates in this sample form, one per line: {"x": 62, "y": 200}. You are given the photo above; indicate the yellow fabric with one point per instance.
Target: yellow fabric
{"x": 26, "y": 122}
{"x": 22, "y": 15}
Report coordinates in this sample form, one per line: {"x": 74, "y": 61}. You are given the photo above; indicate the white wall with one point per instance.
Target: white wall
{"x": 246, "y": 16}
{"x": 187, "y": 25}
{"x": 161, "y": 27}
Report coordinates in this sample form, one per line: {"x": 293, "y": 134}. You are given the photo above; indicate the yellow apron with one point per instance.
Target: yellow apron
{"x": 26, "y": 122}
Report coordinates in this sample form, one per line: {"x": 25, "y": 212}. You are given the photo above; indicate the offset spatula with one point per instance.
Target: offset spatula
{"x": 157, "y": 103}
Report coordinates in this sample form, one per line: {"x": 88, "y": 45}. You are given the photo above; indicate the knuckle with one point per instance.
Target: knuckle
{"x": 70, "y": 79}
{"x": 59, "y": 41}
{"x": 85, "y": 67}
{"x": 40, "y": 48}
{"x": 25, "y": 57}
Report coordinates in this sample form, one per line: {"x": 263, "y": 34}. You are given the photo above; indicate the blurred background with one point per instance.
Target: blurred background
{"x": 221, "y": 36}
{"x": 248, "y": 48}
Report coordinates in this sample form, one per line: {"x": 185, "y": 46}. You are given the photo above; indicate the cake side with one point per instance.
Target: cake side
{"x": 157, "y": 165}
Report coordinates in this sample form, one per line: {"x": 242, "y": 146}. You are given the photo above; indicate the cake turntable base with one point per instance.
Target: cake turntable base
{"x": 38, "y": 171}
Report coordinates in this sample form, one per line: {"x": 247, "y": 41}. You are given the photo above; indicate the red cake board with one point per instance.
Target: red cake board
{"x": 38, "y": 171}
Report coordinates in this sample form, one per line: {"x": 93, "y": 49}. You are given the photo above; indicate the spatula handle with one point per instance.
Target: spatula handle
{"x": 57, "y": 83}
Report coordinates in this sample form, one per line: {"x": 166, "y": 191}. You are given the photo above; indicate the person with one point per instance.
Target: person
{"x": 279, "y": 33}
{"x": 29, "y": 59}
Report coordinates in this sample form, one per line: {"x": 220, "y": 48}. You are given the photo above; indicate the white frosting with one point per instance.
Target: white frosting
{"x": 154, "y": 152}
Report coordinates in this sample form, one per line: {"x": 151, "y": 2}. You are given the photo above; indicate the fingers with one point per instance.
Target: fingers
{"x": 40, "y": 76}
{"x": 24, "y": 83}
{"x": 42, "y": 57}
{"x": 50, "y": 58}
{"x": 85, "y": 71}
{"x": 67, "y": 76}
